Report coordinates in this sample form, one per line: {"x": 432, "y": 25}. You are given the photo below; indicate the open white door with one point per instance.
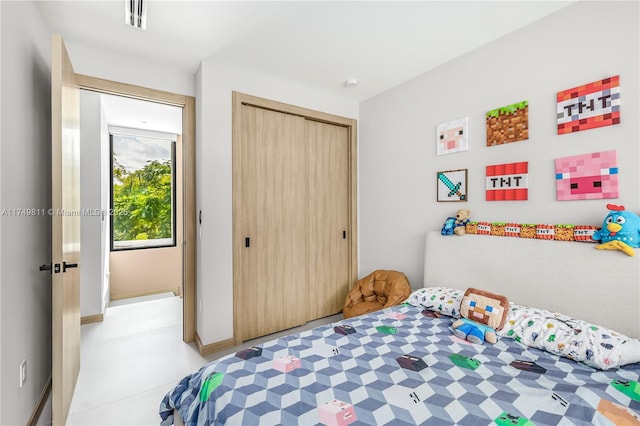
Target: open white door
{"x": 65, "y": 214}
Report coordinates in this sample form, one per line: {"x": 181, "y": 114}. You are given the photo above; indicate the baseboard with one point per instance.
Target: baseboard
{"x": 42, "y": 402}
{"x": 213, "y": 347}
{"x": 143, "y": 293}
{"x": 91, "y": 318}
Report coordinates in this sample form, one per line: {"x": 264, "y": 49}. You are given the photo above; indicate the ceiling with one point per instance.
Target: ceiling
{"x": 137, "y": 114}
{"x": 318, "y": 44}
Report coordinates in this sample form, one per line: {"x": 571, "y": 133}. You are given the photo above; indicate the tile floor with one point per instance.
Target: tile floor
{"x": 133, "y": 358}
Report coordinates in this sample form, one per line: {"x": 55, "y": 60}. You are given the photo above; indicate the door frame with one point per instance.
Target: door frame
{"x": 188, "y": 105}
{"x": 238, "y": 100}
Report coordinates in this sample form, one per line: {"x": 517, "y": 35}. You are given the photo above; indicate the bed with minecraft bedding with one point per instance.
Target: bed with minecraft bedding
{"x": 403, "y": 365}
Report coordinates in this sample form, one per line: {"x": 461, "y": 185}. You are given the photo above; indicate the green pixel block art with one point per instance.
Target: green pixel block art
{"x": 508, "y": 124}
{"x": 506, "y": 419}
{"x": 386, "y": 329}
{"x": 210, "y": 384}
{"x": 630, "y": 388}
{"x": 464, "y": 361}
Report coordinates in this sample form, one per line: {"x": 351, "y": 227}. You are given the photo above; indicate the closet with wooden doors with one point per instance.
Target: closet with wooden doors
{"x": 294, "y": 215}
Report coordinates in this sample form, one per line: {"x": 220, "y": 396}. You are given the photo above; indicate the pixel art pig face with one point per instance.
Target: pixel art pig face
{"x": 587, "y": 177}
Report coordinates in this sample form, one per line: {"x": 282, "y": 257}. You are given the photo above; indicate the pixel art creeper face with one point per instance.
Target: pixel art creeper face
{"x": 587, "y": 177}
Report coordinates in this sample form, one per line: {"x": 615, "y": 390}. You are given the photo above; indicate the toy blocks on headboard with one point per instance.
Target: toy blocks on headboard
{"x": 558, "y": 232}
{"x": 545, "y": 232}
{"x": 512, "y": 230}
{"x": 564, "y": 233}
{"x": 584, "y": 232}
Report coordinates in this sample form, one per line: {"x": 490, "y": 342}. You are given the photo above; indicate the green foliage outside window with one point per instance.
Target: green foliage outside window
{"x": 142, "y": 201}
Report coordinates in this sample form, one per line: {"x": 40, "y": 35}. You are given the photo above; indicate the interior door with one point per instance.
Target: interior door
{"x": 329, "y": 217}
{"x": 294, "y": 214}
{"x": 275, "y": 210}
{"x": 65, "y": 190}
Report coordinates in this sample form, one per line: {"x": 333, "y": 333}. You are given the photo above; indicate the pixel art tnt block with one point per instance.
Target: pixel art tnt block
{"x": 527, "y": 230}
{"x": 286, "y": 363}
{"x": 512, "y": 230}
{"x": 336, "y": 412}
{"x": 564, "y": 232}
{"x": 545, "y": 232}
{"x": 584, "y": 233}
{"x": 589, "y": 106}
{"x": 587, "y": 177}
{"x": 484, "y": 228}
{"x": 507, "y": 182}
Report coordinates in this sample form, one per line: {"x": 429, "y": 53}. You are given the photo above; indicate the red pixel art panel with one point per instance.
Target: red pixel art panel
{"x": 589, "y": 106}
{"x": 507, "y": 182}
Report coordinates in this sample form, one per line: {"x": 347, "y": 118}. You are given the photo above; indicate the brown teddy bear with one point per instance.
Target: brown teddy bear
{"x": 456, "y": 225}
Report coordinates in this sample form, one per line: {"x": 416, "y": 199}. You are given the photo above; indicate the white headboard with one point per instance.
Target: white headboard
{"x": 573, "y": 278}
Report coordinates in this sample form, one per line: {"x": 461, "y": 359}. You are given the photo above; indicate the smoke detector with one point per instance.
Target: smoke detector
{"x": 135, "y": 14}
{"x": 352, "y": 82}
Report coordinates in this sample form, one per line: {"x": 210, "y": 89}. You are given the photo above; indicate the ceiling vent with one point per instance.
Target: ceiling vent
{"x": 135, "y": 13}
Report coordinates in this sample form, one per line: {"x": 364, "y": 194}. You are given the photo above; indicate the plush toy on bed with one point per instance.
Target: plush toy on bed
{"x": 456, "y": 225}
{"x": 482, "y": 313}
{"x": 620, "y": 231}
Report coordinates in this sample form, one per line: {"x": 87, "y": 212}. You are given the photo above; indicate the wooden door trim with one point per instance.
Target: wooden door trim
{"x": 245, "y": 99}
{"x": 238, "y": 100}
{"x": 188, "y": 105}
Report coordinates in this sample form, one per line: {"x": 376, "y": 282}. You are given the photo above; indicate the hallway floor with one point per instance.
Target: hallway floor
{"x": 134, "y": 357}
{"x": 129, "y": 361}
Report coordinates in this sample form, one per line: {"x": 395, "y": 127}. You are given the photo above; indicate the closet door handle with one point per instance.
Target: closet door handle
{"x": 344, "y": 235}
{"x": 247, "y": 242}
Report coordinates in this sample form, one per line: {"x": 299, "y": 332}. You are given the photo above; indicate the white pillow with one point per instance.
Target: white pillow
{"x": 443, "y": 300}
{"x": 575, "y": 339}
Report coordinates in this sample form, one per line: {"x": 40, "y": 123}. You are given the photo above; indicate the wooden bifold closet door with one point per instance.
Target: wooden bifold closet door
{"x": 293, "y": 242}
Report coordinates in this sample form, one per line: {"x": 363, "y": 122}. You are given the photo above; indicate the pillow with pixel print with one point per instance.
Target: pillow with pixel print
{"x": 443, "y": 300}
{"x": 579, "y": 340}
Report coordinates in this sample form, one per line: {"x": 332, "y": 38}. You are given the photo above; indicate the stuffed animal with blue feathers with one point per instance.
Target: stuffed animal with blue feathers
{"x": 456, "y": 225}
{"x": 620, "y": 231}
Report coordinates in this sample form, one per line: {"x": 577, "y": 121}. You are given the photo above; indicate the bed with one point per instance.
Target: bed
{"x": 403, "y": 365}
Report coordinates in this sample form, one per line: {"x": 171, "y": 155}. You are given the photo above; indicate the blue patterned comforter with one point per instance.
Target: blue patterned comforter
{"x": 401, "y": 366}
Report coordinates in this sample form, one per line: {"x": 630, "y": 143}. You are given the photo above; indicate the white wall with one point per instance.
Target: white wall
{"x": 582, "y": 43}
{"x": 213, "y": 158}
{"x": 25, "y": 182}
{"x": 96, "y": 63}
{"x": 0, "y": 206}
{"x": 93, "y": 132}
{"x": 105, "y": 197}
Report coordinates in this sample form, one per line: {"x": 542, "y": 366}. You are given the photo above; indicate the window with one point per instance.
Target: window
{"x": 142, "y": 191}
